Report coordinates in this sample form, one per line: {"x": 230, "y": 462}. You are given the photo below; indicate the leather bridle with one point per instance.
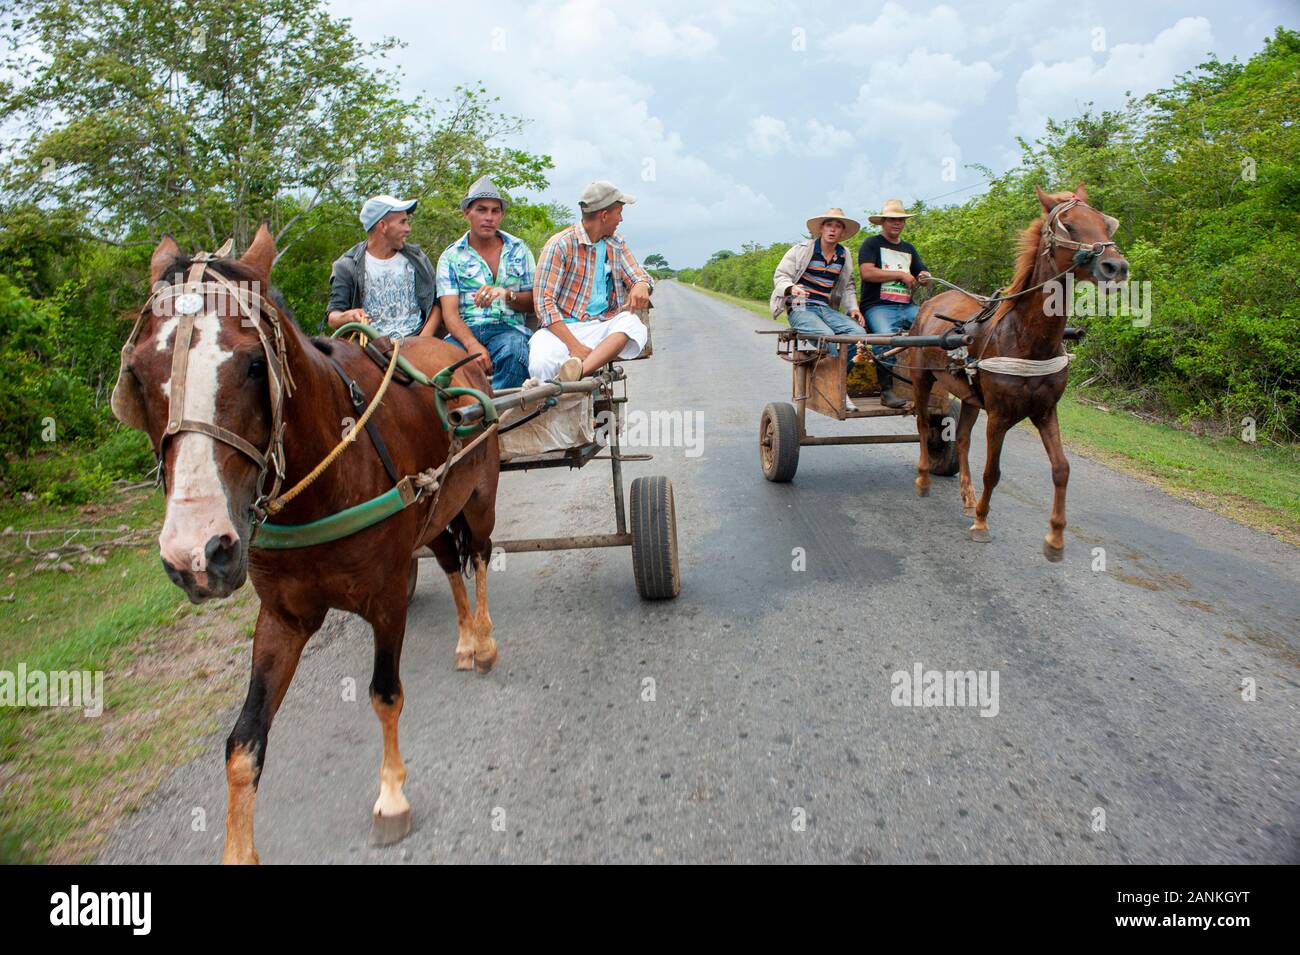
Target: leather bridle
{"x": 190, "y": 301}
{"x": 1085, "y": 253}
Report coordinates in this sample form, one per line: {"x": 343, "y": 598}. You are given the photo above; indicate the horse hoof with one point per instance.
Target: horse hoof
{"x": 980, "y": 534}
{"x": 385, "y": 830}
{"x": 1054, "y": 554}
{"x": 923, "y": 490}
{"x": 485, "y": 662}
{"x": 464, "y": 659}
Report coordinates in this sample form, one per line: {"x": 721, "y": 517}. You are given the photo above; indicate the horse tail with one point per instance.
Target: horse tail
{"x": 462, "y": 540}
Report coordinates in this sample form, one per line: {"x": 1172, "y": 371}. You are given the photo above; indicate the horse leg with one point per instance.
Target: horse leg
{"x": 277, "y": 646}
{"x": 479, "y": 518}
{"x": 922, "y": 382}
{"x": 965, "y": 424}
{"x": 445, "y": 550}
{"x": 485, "y": 648}
{"x": 1049, "y": 429}
{"x": 392, "y": 813}
{"x": 997, "y": 431}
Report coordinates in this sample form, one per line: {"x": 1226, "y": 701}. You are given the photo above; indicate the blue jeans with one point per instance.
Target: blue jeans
{"x": 507, "y": 346}
{"x": 817, "y": 319}
{"x": 889, "y": 318}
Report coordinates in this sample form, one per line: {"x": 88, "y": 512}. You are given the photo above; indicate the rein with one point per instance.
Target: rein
{"x": 1085, "y": 253}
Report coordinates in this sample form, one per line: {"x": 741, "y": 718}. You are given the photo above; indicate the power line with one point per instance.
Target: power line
{"x": 954, "y": 192}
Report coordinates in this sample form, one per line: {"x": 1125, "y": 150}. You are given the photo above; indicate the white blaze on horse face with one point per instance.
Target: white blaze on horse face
{"x": 198, "y": 506}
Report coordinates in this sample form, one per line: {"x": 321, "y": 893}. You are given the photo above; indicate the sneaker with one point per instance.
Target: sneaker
{"x": 571, "y": 370}
{"x": 849, "y": 405}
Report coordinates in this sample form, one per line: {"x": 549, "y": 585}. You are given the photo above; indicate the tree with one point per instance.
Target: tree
{"x": 202, "y": 119}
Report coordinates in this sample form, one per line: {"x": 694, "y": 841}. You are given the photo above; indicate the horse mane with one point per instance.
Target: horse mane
{"x": 1027, "y": 256}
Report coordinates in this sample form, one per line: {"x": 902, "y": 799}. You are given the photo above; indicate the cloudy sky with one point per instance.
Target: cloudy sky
{"x": 737, "y": 121}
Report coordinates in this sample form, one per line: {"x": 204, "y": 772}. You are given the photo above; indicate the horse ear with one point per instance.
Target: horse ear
{"x": 164, "y": 254}
{"x": 1047, "y": 201}
{"x": 261, "y": 253}
{"x": 1081, "y": 192}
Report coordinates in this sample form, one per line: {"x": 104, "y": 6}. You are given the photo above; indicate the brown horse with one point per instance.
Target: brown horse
{"x": 243, "y": 367}
{"x": 1069, "y": 237}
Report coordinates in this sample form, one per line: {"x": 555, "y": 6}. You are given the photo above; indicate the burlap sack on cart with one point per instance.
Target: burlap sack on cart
{"x": 568, "y": 425}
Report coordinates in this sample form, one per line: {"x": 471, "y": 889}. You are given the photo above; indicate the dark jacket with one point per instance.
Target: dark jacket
{"x": 348, "y": 279}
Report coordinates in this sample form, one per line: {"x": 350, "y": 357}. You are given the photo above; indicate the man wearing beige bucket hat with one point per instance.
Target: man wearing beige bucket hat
{"x": 815, "y": 281}
{"x": 890, "y": 269}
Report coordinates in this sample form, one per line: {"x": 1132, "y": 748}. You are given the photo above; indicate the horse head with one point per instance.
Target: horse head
{"x": 201, "y": 375}
{"x": 1079, "y": 237}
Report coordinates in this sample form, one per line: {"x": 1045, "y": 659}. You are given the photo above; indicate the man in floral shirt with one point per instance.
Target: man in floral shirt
{"x": 485, "y": 287}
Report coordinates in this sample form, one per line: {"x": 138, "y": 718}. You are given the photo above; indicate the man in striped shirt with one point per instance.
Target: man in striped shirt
{"x": 587, "y": 287}
{"x": 815, "y": 280}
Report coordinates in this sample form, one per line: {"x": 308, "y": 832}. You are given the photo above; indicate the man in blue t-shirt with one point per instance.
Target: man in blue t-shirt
{"x": 890, "y": 269}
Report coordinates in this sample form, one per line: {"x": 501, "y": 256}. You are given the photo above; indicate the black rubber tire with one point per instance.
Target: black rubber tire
{"x": 654, "y": 538}
{"x": 412, "y": 576}
{"x": 943, "y": 454}
{"x": 778, "y": 442}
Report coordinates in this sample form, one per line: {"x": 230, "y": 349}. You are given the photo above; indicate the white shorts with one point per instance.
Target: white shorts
{"x": 546, "y": 353}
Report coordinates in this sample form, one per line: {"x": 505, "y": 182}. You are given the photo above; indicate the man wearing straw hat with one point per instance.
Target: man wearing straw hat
{"x": 815, "y": 281}
{"x": 890, "y": 270}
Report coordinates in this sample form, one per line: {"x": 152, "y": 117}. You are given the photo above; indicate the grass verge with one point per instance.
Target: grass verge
{"x": 169, "y": 668}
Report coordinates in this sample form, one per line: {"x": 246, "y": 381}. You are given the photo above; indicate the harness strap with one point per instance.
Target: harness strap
{"x": 359, "y": 405}
{"x": 180, "y": 367}
{"x": 276, "y": 505}
{"x": 227, "y": 437}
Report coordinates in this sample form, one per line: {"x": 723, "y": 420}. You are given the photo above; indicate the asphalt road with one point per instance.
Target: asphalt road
{"x": 1119, "y": 691}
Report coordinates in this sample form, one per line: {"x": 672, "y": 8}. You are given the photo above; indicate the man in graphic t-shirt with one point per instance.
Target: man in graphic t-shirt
{"x": 890, "y": 270}
{"x": 385, "y": 281}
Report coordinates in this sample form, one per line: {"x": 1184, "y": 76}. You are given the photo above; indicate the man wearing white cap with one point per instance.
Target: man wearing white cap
{"x": 890, "y": 270}
{"x": 384, "y": 280}
{"x": 588, "y": 285}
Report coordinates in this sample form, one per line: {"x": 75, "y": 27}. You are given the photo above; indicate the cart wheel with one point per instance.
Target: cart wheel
{"x": 778, "y": 442}
{"x": 412, "y": 576}
{"x": 943, "y": 454}
{"x": 654, "y": 538}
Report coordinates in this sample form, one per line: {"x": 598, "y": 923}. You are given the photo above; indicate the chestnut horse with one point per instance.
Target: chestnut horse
{"x": 1069, "y": 237}
{"x": 244, "y": 367}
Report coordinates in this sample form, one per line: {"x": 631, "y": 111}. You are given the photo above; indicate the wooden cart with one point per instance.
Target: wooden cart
{"x": 819, "y": 385}
{"x": 645, "y": 520}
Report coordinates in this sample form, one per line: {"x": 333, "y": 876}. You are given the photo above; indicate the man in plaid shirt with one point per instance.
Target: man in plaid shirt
{"x": 587, "y": 287}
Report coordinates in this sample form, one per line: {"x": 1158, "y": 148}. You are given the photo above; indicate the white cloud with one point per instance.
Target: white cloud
{"x": 897, "y": 29}
{"x": 912, "y": 106}
{"x": 769, "y": 136}
{"x": 825, "y": 140}
{"x": 589, "y": 28}
{"x": 1060, "y": 89}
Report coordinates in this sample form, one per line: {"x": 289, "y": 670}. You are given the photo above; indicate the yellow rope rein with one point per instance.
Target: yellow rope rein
{"x": 274, "y": 507}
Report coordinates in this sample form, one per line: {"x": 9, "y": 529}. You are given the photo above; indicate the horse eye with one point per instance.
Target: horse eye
{"x": 257, "y": 368}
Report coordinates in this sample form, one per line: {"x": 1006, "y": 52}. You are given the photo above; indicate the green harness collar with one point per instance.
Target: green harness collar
{"x": 268, "y": 536}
